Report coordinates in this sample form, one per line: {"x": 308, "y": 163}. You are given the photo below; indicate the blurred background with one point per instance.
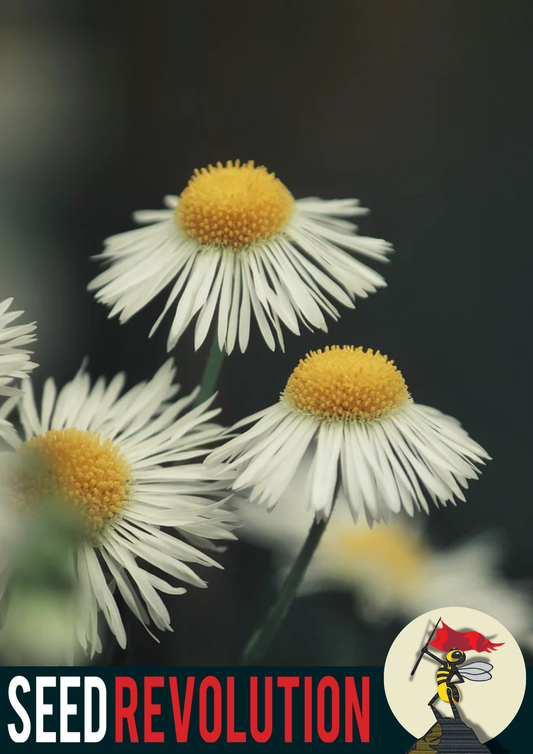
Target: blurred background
{"x": 421, "y": 110}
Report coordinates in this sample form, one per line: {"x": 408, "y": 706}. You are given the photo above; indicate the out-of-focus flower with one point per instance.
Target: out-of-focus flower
{"x": 129, "y": 466}
{"x": 14, "y": 361}
{"x": 239, "y": 245}
{"x": 369, "y": 443}
{"x": 392, "y": 569}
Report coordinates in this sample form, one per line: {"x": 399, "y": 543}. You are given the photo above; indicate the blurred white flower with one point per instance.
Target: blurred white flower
{"x": 391, "y": 569}
{"x": 370, "y": 444}
{"x": 238, "y": 245}
{"x": 14, "y": 361}
{"x": 130, "y": 467}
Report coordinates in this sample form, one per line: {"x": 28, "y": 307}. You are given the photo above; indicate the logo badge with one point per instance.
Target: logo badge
{"x": 454, "y": 677}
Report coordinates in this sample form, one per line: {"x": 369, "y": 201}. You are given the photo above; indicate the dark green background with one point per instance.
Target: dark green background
{"x": 422, "y": 110}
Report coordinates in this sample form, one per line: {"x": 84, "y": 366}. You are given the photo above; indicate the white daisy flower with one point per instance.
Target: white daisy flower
{"x": 238, "y": 245}
{"x": 392, "y": 569}
{"x": 130, "y": 466}
{"x": 370, "y": 443}
{"x": 14, "y": 361}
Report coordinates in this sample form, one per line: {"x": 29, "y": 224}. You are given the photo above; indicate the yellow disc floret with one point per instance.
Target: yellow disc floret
{"x": 234, "y": 205}
{"x": 76, "y": 467}
{"x": 346, "y": 383}
{"x": 393, "y": 553}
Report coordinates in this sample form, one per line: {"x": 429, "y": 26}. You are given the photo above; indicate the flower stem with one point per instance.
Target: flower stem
{"x": 263, "y": 636}
{"x": 211, "y": 372}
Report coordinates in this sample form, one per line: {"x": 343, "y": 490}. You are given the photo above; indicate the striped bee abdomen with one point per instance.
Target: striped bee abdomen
{"x": 444, "y": 673}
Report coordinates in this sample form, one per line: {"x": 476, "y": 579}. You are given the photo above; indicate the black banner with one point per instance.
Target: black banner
{"x": 194, "y": 705}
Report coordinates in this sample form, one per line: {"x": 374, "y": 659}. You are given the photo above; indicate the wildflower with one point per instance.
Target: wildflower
{"x": 238, "y": 245}
{"x": 129, "y": 466}
{"x": 14, "y": 361}
{"x": 349, "y": 411}
{"x": 393, "y": 569}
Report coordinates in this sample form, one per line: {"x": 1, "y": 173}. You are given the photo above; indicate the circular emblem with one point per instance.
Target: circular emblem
{"x": 454, "y": 672}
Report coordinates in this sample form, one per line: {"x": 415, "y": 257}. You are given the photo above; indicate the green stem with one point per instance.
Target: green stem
{"x": 211, "y": 372}
{"x": 263, "y": 636}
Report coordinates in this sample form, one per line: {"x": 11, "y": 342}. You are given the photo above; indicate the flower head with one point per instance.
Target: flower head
{"x": 238, "y": 245}
{"x": 233, "y": 206}
{"x": 349, "y": 411}
{"x": 393, "y": 570}
{"x": 346, "y": 383}
{"x": 14, "y": 361}
{"x": 129, "y": 467}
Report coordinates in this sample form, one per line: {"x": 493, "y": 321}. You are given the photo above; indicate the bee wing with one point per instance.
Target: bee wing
{"x": 480, "y": 667}
{"x": 477, "y": 671}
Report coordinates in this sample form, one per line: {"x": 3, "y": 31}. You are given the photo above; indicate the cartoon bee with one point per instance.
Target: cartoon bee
{"x": 448, "y": 691}
{"x": 448, "y": 674}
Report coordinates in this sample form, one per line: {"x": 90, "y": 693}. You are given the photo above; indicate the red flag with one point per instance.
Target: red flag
{"x": 447, "y": 638}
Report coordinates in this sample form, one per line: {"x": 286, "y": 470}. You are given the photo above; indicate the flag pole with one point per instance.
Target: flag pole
{"x": 422, "y": 650}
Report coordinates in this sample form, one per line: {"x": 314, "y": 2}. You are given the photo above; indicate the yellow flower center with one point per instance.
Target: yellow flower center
{"x": 346, "y": 383}
{"x": 234, "y": 205}
{"x": 76, "y": 467}
{"x": 394, "y": 550}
